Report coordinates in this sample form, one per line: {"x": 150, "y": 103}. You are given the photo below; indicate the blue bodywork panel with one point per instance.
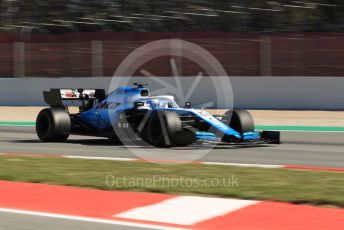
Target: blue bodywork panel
{"x": 106, "y": 113}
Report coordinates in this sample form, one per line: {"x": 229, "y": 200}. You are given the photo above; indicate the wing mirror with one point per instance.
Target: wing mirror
{"x": 187, "y": 105}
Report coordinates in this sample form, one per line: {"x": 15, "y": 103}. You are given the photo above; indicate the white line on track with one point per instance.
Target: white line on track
{"x": 100, "y": 158}
{"x": 135, "y": 159}
{"x": 243, "y": 165}
{"x": 320, "y": 149}
{"x": 86, "y": 219}
{"x": 205, "y": 163}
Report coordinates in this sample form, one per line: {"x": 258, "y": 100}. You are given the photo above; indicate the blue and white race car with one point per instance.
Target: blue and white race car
{"x": 132, "y": 112}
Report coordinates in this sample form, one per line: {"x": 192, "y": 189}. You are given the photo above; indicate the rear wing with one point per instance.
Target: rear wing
{"x": 55, "y": 97}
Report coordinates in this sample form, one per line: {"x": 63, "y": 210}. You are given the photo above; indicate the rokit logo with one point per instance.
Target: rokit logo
{"x": 108, "y": 105}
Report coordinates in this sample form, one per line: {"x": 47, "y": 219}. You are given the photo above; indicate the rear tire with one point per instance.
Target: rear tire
{"x": 162, "y": 127}
{"x": 239, "y": 120}
{"x": 53, "y": 125}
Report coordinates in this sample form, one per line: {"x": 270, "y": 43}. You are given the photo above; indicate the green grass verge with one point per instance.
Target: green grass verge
{"x": 296, "y": 186}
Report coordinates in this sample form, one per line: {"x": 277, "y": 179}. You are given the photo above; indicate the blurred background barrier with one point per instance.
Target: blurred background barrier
{"x": 312, "y": 93}
{"x": 250, "y": 38}
{"x": 242, "y": 54}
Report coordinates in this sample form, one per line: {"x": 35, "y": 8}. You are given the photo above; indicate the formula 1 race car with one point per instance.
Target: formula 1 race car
{"x": 157, "y": 120}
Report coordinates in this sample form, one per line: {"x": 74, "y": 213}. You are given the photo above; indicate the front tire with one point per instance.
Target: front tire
{"x": 240, "y": 120}
{"x": 53, "y": 125}
{"x": 162, "y": 127}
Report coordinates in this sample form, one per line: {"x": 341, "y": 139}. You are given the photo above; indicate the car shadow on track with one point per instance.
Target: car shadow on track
{"x": 108, "y": 142}
{"x": 90, "y": 142}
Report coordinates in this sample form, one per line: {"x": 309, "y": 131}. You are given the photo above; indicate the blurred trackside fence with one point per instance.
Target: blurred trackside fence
{"x": 241, "y": 54}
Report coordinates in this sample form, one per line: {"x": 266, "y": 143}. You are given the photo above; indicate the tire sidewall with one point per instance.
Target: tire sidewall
{"x": 155, "y": 132}
{"x": 59, "y": 124}
{"x": 44, "y": 123}
{"x": 240, "y": 120}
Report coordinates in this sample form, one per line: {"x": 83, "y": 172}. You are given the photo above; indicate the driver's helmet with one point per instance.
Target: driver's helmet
{"x": 153, "y": 103}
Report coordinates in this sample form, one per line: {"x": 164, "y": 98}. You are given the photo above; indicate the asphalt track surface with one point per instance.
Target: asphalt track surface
{"x": 10, "y": 221}
{"x": 323, "y": 149}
